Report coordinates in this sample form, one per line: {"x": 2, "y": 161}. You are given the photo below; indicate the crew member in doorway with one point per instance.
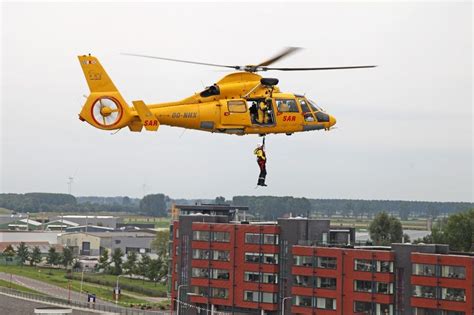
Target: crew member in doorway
{"x": 261, "y": 161}
{"x": 262, "y": 113}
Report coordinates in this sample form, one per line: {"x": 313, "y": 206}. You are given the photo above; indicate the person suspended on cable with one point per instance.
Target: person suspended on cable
{"x": 261, "y": 161}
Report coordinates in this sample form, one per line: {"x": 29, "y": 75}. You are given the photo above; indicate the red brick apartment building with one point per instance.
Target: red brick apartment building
{"x": 305, "y": 266}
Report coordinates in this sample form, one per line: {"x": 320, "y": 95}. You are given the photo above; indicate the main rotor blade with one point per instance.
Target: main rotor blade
{"x": 287, "y": 51}
{"x": 183, "y": 61}
{"x": 315, "y": 69}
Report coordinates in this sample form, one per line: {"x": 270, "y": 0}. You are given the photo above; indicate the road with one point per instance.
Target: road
{"x": 48, "y": 289}
{"x": 56, "y": 291}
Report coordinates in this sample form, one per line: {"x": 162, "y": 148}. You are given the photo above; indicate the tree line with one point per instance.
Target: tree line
{"x": 263, "y": 207}
{"x": 271, "y": 207}
{"x": 34, "y": 257}
{"x": 153, "y": 205}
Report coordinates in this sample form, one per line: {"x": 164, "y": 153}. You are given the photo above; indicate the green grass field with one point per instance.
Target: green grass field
{"x": 5, "y": 211}
{"x": 57, "y": 277}
{"x": 417, "y": 224}
{"x": 159, "y": 222}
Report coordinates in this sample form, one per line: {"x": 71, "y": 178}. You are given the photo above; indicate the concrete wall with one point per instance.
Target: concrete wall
{"x": 13, "y": 236}
{"x": 142, "y": 243}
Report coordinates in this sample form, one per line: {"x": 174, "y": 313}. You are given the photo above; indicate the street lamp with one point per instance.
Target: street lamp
{"x": 117, "y": 289}
{"x": 82, "y": 277}
{"x": 283, "y": 304}
{"x": 177, "y": 300}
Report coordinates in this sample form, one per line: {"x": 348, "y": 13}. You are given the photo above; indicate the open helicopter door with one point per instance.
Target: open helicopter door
{"x": 234, "y": 113}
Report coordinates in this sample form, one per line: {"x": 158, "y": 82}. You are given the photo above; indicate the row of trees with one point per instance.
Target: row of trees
{"x": 153, "y": 205}
{"x": 457, "y": 231}
{"x": 271, "y": 207}
{"x": 145, "y": 267}
{"x": 34, "y": 256}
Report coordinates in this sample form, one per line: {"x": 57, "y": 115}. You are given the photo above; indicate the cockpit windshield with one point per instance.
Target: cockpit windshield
{"x": 314, "y": 106}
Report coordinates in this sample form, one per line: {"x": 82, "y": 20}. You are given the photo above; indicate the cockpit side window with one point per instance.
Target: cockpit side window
{"x": 285, "y": 106}
{"x": 308, "y": 116}
{"x": 314, "y": 106}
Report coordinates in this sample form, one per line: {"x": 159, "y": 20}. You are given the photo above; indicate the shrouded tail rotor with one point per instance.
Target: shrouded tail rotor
{"x": 106, "y": 111}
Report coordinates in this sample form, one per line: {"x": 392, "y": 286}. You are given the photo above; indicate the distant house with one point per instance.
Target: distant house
{"x": 59, "y": 225}
{"x": 98, "y": 220}
{"x": 89, "y": 228}
{"x": 94, "y": 243}
{"x": 22, "y": 225}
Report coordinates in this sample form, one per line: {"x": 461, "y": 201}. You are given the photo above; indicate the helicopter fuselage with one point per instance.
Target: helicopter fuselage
{"x": 240, "y": 103}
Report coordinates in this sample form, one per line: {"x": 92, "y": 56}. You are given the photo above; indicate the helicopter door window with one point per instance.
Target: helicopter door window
{"x": 237, "y": 106}
{"x": 308, "y": 116}
{"x": 286, "y": 106}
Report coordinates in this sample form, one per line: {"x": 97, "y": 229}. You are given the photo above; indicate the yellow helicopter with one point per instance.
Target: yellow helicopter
{"x": 240, "y": 103}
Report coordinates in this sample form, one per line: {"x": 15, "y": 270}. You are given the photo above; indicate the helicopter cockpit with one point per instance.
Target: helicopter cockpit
{"x": 311, "y": 111}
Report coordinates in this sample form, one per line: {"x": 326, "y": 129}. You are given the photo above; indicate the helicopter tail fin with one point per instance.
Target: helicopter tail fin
{"x": 105, "y": 107}
{"x": 96, "y": 77}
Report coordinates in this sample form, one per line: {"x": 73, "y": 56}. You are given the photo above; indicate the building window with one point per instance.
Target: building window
{"x": 326, "y": 283}
{"x": 457, "y": 272}
{"x": 363, "y": 265}
{"x": 305, "y": 261}
{"x": 268, "y": 297}
{"x": 424, "y": 291}
{"x": 220, "y": 274}
{"x": 384, "y": 309}
{"x": 252, "y": 257}
{"x": 271, "y": 239}
{"x": 222, "y": 255}
{"x": 326, "y": 303}
{"x": 270, "y": 259}
{"x": 424, "y": 270}
{"x": 202, "y": 291}
{"x": 254, "y": 296}
{"x": 384, "y": 266}
{"x": 261, "y": 258}
{"x": 327, "y": 262}
{"x": 219, "y": 293}
{"x": 453, "y": 294}
{"x": 300, "y": 280}
{"x": 362, "y": 307}
{"x": 221, "y": 237}
{"x": 200, "y": 254}
{"x": 252, "y": 276}
{"x": 384, "y": 287}
{"x": 201, "y": 236}
{"x": 252, "y": 238}
{"x": 271, "y": 278}
{"x": 200, "y": 273}
{"x": 362, "y": 286}
{"x": 301, "y": 300}
{"x": 251, "y": 296}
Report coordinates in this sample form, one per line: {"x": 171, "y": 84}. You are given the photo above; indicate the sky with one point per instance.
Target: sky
{"x": 404, "y": 129}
